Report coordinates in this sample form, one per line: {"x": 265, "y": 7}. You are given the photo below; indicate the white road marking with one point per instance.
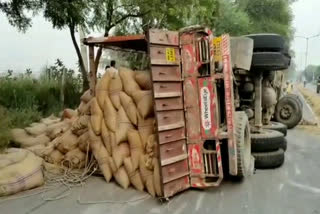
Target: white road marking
{"x": 305, "y": 187}
{"x": 199, "y": 201}
{"x": 297, "y": 170}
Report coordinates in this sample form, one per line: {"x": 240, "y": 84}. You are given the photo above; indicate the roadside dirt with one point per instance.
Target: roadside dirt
{"x": 312, "y": 98}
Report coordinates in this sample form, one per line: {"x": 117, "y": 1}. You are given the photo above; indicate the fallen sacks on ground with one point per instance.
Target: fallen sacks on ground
{"x": 86, "y": 97}
{"x": 21, "y": 137}
{"x": 75, "y": 159}
{"x": 37, "y": 129}
{"x": 96, "y": 116}
{"x": 67, "y": 142}
{"x": 124, "y": 125}
{"x": 22, "y": 173}
{"x": 129, "y": 107}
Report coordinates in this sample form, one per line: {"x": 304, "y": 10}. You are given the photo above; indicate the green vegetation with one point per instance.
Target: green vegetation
{"x": 24, "y": 100}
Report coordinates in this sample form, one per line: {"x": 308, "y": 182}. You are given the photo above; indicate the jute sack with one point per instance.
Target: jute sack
{"x": 100, "y": 153}
{"x": 124, "y": 125}
{"x": 143, "y": 78}
{"x": 83, "y": 142}
{"x": 55, "y": 157}
{"x": 75, "y": 159}
{"x": 105, "y": 134}
{"x": 146, "y": 128}
{"x": 84, "y": 108}
{"x": 96, "y": 117}
{"x": 36, "y": 130}
{"x": 110, "y": 115}
{"x": 12, "y": 156}
{"x": 120, "y": 174}
{"x": 128, "y": 81}
{"x": 134, "y": 175}
{"x": 136, "y": 149}
{"x": 69, "y": 113}
{"x": 86, "y": 97}
{"x": 129, "y": 107}
{"x": 57, "y": 129}
{"x": 22, "y": 175}
{"x": 68, "y": 141}
{"x": 102, "y": 88}
{"x": 151, "y": 147}
{"x": 50, "y": 120}
{"x": 21, "y": 137}
{"x": 144, "y": 102}
{"x": 115, "y": 86}
{"x": 156, "y": 177}
{"x": 120, "y": 153}
{"x": 38, "y": 150}
{"x": 80, "y": 123}
{"x": 146, "y": 176}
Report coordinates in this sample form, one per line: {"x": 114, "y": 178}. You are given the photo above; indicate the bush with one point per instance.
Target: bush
{"x": 5, "y": 136}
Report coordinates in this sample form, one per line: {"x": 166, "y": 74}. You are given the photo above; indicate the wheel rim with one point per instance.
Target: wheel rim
{"x": 286, "y": 112}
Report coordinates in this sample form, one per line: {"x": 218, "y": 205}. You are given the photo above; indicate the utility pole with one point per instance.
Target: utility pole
{"x": 307, "y": 49}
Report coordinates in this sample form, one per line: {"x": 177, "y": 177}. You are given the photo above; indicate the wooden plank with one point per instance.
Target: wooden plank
{"x": 166, "y": 73}
{"x": 92, "y": 74}
{"x": 170, "y": 119}
{"x": 174, "y": 171}
{"x": 167, "y": 89}
{"x": 172, "y": 103}
{"x": 173, "y": 150}
{"x": 176, "y": 186}
{"x": 164, "y": 37}
{"x": 164, "y": 55}
{"x": 171, "y": 135}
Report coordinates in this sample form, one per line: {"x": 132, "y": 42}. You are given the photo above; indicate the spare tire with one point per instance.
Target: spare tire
{"x": 270, "y": 61}
{"x": 268, "y": 160}
{"x": 277, "y": 127}
{"x": 288, "y": 111}
{"x": 267, "y": 141}
{"x": 269, "y": 42}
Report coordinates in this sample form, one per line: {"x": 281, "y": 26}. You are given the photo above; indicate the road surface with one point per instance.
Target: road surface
{"x": 294, "y": 189}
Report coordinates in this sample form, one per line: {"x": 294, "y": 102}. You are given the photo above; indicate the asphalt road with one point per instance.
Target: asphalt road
{"x": 293, "y": 188}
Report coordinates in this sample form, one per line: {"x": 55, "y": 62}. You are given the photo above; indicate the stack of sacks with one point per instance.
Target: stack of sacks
{"x": 116, "y": 125}
{"x": 122, "y": 128}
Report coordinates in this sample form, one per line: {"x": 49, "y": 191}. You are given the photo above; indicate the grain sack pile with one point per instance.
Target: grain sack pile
{"x": 116, "y": 126}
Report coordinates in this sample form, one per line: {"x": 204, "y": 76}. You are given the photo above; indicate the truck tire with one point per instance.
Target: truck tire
{"x": 269, "y": 160}
{"x": 297, "y": 98}
{"x": 267, "y": 141}
{"x": 288, "y": 111}
{"x": 243, "y": 142}
{"x": 269, "y": 42}
{"x": 277, "y": 127}
{"x": 270, "y": 61}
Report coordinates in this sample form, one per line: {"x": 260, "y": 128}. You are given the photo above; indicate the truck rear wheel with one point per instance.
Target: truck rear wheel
{"x": 267, "y": 141}
{"x": 269, "y": 160}
{"x": 288, "y": 111}
{"x": 276, "y": 126}
{"x": 243, "y": 142}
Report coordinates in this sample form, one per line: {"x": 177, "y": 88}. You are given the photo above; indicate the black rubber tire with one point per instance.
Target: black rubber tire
{"x": 285, "y": 145}
{"x": 277, "y": 127}
{"x": 269, "y": 42}
{"x": 269, "y": 160}
{"x": 270, "y": 61}
{"x": 288, "y": 111}
{"x": 297, "y": 98}
{"x": 243, "y": 142}
{"x": 267, "y": 141}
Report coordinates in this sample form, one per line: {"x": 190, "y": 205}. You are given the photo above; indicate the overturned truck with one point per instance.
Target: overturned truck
{"x": 200, "y": 134}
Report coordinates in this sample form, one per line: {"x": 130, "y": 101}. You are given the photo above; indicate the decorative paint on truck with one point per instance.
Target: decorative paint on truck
{"x": 207, "y": 108}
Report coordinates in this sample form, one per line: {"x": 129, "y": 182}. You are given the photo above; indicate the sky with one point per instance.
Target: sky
{"x": 42, "y": 44}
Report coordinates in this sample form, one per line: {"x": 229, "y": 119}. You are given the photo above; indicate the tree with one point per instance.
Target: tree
{"x": 62, "y": 14}
{"x": 107, "y": 14}
{"x": 69, "y": 14}
{"x": 269, "y": 16}
{"x": 15, "y": 11}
